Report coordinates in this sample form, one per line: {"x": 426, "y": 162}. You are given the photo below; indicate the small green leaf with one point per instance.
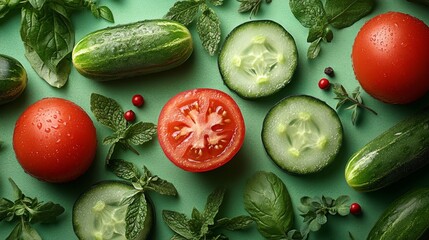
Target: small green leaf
{"x": 124, "y": 169}
{"x": 136, "y": 216}
{"x": 214, "y": 200}
{"x": 178, "y": 222}
{"x": 344, "y": 13}
{"x": 314, "y": 225}
{"x": 106, "y": 13}
{"x": 208, "y": 28}
{"x": 162, "y": 186}
{"x": 309, "y": 12}
{"x": 23, "y": 231}
{"x": 184, "y": 11}
{"x": 16, "y": 189}
{"x": 37, "y": 4}
{"x": 236, "y": 223}
{"x": 108, "y": 112}
{"x": 46, "y": 212}
{"x": 8, "y": 5}
{"x": 140, "y": 133}
{"x": 314, "y": 49}
{"x": 216, "y": 2}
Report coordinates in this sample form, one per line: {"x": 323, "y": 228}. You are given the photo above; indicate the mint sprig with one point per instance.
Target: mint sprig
{"x": 27, "y": 211}
{"x": 319, "y": 17}
{"x": 203, "y": 225}
{"x": 109, "y": 113}
{"x": 207, "y": 21}
{"x": 138, "y": 207}
{"x": 251, "y": 6}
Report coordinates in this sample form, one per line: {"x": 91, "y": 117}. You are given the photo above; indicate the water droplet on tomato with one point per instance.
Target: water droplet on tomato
{"x": 47, "y": 130}
{"x": 39, "y": 125}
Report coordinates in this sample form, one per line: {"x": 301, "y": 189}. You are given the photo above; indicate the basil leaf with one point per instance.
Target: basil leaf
{"x": 208, "y": 28}
{"x": 48, "y": 33}
{"x": 184, "y": 11}
{"x": 343, "y": 13}
{"x": 124, "y": 169}
{"x": 6, "y": 6}
{"x": 37, "y": 4}
{"x": 178, "y": 222}
{"x": 308, "y": 12}
{"x": 46, "y": 212}
{"x": 102, "y": 12}
{"x": 23, "y": 231}
{"x": 140, "y": 133}
{"x": 108, "y": 112}
{"x": 57, "y": 77}
{"x": 267, "y": 200}
{"x": 136, "y": 216}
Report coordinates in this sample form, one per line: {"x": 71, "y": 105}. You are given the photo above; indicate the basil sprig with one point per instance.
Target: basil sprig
{"x": 26, "y": 211}
{"x": 318, "y": 18}
{"x": 48, "y": 35}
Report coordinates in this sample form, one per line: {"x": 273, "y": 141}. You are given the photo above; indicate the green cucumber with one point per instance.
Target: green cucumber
{"x": 391, "y": 156}
{"x": 302, "y": 134}
{"x": 99, "y": 213}
{"x": 132, "y": 49}
{"x": 258, "y": 59}
{"x": 405, "y": 218}
{"x": 13, "y": 79}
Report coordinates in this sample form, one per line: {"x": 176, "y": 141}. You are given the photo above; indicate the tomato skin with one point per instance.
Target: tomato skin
{"x": 201, "y": 129}
{"x": 389, "y": 58}
{"x": 54, "y": 140}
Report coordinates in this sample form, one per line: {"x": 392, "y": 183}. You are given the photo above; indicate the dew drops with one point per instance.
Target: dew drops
{"x": 39, "y": 125}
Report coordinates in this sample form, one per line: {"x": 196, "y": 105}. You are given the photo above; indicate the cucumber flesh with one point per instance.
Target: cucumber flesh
{"x": 302, "y": 134}
{"x": 99, "y": 213}
{"x": 258, "y": 59}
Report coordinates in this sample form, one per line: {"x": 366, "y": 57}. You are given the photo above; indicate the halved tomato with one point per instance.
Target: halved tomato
{"x": 201, "y": 129}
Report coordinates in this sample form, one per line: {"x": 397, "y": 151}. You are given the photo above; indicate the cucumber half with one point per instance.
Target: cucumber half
{"x": 99, "y": 213}
{"x": 302, "y": 134}
{"x": 258, "y": 59}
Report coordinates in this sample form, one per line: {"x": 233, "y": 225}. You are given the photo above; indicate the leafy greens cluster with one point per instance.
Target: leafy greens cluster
{"x": 207, "y": 21}
{"x": 138, "y": 206}
{"x": 26, "y": 211}
{"x": 109, "y": 113}
{"x": 48, "y": 35}
{"x": 251, "y": 6}
{"x": 318, "y": 18}
{"x": 204, "y": 225}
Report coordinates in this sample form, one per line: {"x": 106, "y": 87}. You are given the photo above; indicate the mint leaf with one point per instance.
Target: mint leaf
{"x": 251, "y": 6}
{"x": 208, "y": 28}
{"x": 184, "y": 11}
{"x": 45, "y": 212}
{"x": 178, "y": 222}
{"x": 140, "y": 133}
{"x": 124, "y": 170}
{"x": 214, "y": 201}
{"x": 344, "y": 13}
{"x": 308, "y": 12}
{"x": 159, "y": 185}
{"x": 136, "y": 216}
{"x": 108, "y": 112}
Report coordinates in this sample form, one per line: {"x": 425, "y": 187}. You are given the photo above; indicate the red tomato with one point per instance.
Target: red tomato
{"x": 201, "y": 129}
{"x": 54, "y": 140}
{"x": 390, "y": 58}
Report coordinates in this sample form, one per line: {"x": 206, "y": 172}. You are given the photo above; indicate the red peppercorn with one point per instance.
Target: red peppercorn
{"x": 130, "y": 116}
{"x": 137, "y": 100}
{"x": 355, "y": 209}
{"x": 324, "y": 83}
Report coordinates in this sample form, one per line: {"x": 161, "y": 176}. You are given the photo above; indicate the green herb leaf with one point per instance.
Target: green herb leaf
{"x": 251, "y": 6}
{"x": 309, "y": 12}
{"x": 344, "y": 13}
{"x": 108, "y": 112}
{"x": 124, "y": 170}
{"x": 45, "y": 212}
{"x": 178, "y": 222}
{"x": 236, "y": 223}
{"x": 37, "y": 4}
{"x": 184, "y": 11}
{"x": 159, "y": 185}
{"x": 214, "y": 201}
{"x": 208, "y": 28}
{"x": 23, "y": 231}
{"x": 136, "y": 216}
{"x": 7, "y": 5}
{"x": 267, "y": 200}
{"x": 140, "y": 133}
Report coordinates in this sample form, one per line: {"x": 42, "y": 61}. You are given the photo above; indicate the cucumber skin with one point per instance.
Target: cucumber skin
{"x": 13, "y": 79}
{"x": 391, "y": 156}
{"x": 132, "y": 49}
{"x": 406, "y": 218}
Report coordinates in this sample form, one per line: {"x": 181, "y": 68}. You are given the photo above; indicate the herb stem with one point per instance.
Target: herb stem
{"x": 361, "y": 105}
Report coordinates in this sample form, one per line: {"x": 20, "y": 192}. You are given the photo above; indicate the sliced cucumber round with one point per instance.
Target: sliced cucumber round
{"x": 258, "y": 58}
{"x": 302, "y": 134}
{"x": 100, "y": 212}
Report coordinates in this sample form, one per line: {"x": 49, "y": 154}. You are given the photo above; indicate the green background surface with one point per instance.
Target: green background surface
{"x": 201, "y": 71}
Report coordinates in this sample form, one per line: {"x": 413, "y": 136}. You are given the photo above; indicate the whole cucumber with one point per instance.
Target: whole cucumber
{"x": 396, "y": 153}
{"x": 406, "y": 218}
{"x": 133, "y": 49}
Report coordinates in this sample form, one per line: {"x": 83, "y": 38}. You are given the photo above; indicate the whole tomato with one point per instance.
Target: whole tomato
{"x": 54, "y": 140}
{"x": 390, "y": 55}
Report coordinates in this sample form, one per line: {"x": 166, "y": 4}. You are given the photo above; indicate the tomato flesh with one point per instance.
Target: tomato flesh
{"x": 390, "y": 58}
{"x": 201, "y": 129}
{"x": 54, "y": 140}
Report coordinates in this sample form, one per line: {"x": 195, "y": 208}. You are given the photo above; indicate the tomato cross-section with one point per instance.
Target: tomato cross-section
{"x": 201, "y": 129}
